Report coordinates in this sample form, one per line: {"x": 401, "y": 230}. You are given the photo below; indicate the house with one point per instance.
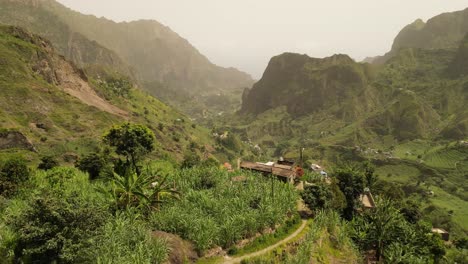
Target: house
{"x": 284, "y": 161}
{"x": 367, "y": 200}
{"x": 316, "y": 167}
{"x": 442, "y": 232}
{"x": 285, "y": 173}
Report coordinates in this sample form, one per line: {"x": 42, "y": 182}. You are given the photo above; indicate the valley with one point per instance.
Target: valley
{"x": 121, "y": 143}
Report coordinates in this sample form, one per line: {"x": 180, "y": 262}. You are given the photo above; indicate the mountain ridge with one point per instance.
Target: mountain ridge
{"x": 444, "y": 31}
{"x": 63, "y": 110}
{"x": 163, "y": 63}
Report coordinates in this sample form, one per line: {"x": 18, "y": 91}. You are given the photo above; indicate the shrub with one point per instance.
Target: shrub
{"x": 93, "y": 164}
{"x": 57, "y": 228}
{"x": 47, "y": 163}
{"x": 191, "y": 159}
{"x": 13, "y": 172}
{"x": 317, "y": 196}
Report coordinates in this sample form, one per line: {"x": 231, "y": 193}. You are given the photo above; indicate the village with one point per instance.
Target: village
{"x": 289, "y": 171}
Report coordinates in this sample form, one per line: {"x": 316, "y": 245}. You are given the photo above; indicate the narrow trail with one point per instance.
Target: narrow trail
{"x": 229, "y": 260}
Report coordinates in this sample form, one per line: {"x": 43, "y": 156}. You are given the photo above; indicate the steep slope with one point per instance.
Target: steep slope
{"x": 306, "y": 85}
{"x": 417, "y": 94}
{"x": 62, "y": 110}
{"x": 444, "y": 31}
{"x": 164, "y": 63}
{"x": 74, "y": 46}
{"x": 155, "y": 51}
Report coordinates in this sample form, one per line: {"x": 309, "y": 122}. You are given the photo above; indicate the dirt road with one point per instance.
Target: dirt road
{"x": 229, "y": 260}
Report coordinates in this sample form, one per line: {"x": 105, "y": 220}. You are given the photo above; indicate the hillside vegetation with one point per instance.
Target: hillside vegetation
{"x": 440, "y": 32}
{"x": 63, "y": 110}
{"x": 164, "y": 63}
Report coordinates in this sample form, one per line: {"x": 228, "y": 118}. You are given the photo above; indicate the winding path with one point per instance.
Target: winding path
{"x": 229, "y": 260}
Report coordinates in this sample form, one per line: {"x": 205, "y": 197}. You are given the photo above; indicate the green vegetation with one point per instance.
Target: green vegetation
{"x": 60, "y": 215}
{"x": 267, "y": 240}
{"x": 65, "y": 127}
{"x": 151, "y": 188}
{"x": 326, "y": 240}
{"x": 215, "y": 210}
{"x": 165, "y": 64}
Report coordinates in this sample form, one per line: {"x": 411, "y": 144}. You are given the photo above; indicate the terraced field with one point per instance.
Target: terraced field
{"x": 450, "y": 202}
{"x": 446, "y": 159}
{"x": 398, "y": 173}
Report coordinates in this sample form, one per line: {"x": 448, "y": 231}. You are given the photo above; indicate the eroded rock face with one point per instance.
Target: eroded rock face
{"x": 15, "y": 140}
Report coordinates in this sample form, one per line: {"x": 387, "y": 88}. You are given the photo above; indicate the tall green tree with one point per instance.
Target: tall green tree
{"x": 317, "y": 196}
{"x": 351, "y": 183}
{"x": 132, "y": 141}
{"x": 395, "y": 240}
{"x": 369, "y": 175}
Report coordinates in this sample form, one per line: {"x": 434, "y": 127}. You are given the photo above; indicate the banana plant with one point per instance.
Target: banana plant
{"x": 129, "y": 190}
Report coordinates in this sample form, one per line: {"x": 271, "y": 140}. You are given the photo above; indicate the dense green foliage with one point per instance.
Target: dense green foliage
{"x": 61, "y": 216}
{"x": 351, "y": 183}
{"x": 396, "y": 240}
{"x": 47, "y": 163}
{"x": 57, "y": 228}
{"x": 126, "y": 239}
{"x": 94, "y": 164}
{"x": 13, "y": 172}
{"x": 131, "y": 141}
{"x": 215, "y": 209}
{"x": 317, "y": 196}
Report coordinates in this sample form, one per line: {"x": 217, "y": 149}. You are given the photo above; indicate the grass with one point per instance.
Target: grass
{"x": 450, "y": 202}
{"x": 28, "y": 99}
{"x": 400, "y": 173}
{"x": 441, "y": 158}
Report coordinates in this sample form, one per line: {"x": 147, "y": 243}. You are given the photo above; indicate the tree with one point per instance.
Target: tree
{"x": 317, "y": 196}
{"x": 351, "y": 183}
{"x": 129, "y": 190}
{"x": 93, "y": 164}
{"x": 47, "y": 163}
{"x": 13, "y": 173}
{"x": 132, "y": 141}
{"x": 369, "y": 175}
{"x": 385, "y": 229}
{"x": 160, "y": 190}
{"x": 411, "y": 211}
{"x": 57, "y": 228}
{"x": 339, "y": 200}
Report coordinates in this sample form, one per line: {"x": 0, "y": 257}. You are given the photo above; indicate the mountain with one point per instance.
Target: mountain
{"x": 307, "y": 85}
{"x": 419, "y": 93}
{"x": 163, "y": 62}
{"x": 444, "y": 31}
{"x": 51, "y": 106}
{"x": 73, "y": 45}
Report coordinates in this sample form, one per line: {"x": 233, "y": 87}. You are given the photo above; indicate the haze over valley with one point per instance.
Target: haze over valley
{"x": 241, "y": 132}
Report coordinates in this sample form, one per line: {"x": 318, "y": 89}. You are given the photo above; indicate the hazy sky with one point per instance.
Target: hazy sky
{"x": 246, "y": 33}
